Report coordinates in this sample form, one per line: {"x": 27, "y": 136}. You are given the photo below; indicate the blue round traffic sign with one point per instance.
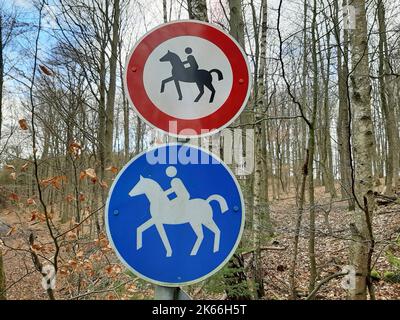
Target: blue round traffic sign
{"x": 175, "y": 214}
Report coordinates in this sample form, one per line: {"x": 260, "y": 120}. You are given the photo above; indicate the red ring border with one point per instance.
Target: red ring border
{"x": 193, "y": 127}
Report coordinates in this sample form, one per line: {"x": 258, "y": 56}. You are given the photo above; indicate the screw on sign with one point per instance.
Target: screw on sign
{"x": 175, "y": 215}
{"x": 187, "y": 78}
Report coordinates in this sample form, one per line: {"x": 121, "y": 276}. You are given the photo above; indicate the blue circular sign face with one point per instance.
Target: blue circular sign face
{"x": 175, "y": 215}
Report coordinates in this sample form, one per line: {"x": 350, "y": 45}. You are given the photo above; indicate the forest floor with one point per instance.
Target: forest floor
{"x": 90, "y": 269}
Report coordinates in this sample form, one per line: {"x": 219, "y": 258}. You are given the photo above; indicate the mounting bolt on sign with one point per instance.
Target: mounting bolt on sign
{"x": 187, "y": 78}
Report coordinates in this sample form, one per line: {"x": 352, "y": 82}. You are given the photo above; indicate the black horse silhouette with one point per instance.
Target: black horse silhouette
{"x": 180, "y": 73}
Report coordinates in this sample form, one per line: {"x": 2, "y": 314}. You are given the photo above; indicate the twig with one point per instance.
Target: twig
{"x": 323, "y": 281}
{"x": 102, "y": 291}
{"x": 265, "y": 249}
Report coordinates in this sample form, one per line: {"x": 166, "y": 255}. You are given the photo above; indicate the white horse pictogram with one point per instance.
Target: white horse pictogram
{"x": 197, "y": 212}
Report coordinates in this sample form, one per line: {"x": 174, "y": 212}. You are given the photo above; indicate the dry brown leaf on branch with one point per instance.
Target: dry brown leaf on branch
{"x": 74, "y": 145}
{"x": 42, "y": 217}
{"x": 74, "y": 148}
{"x": 54, "y": 181}
{"x": 33, "y": 216}
{"x": 82, "y": 175}
{"x": 23, "y": 124}
{"x": 30, "y": 201}
{"x": 9, "y": 167}
{"x": 81, "y": 197}
{"x": 112, "y": 169}
{"x": 46, "y": 70}
{"x": 91, "y": 173}
{"x": 13, "y": 196}
{"x": 36, "y": 248}
{"x": 103, "y": 184}
{"x": 25, "y": 167}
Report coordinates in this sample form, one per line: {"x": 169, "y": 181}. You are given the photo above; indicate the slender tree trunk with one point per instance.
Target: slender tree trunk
{"x": 363, "y": 146}
{"x": 387, "y": 105}
{"x": 239, "y": 278}
{"x": 299, "y": 218}
{"x": 311, "y": 147}
{"x": 326, "y": 146}
{"x": 1, "y": 75}
{"x": 125, "y": 106}
{"x": 343, "y": 126}
{"x": 110, "y": 106}
{"x": 165, "y": 12}
{"x": 304, "y": 103}
{"x": 260, "y": 205}
{"x": 2, "y": 278}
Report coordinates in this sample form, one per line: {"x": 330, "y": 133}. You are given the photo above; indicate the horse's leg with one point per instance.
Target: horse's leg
{"x": 201, "y": 89}
{"x": 139, "y": 232}
{"x": 178, "y": 88}
{"x": 211, "y": 87}
{"x": 198, "y": 229}
{"x": 164, "y": 82}
{"x": 217, "y": 233}
{"x": 164, "y": 238}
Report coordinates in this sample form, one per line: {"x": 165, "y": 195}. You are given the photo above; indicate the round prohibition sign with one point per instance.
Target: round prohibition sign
{"x": 193, "y": 98}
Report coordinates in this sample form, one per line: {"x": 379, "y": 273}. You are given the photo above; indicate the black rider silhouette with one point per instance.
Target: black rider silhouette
{"x": 193, "y": 66}
{"x": 192, "y": 74}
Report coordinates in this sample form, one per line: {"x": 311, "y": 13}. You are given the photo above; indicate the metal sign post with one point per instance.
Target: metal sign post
{"x": 170, "y": 293}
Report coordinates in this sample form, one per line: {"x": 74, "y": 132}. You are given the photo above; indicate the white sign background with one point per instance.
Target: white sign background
{"x": 208, "y": 56}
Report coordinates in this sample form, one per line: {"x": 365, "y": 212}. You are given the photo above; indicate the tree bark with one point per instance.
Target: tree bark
{"x": 110, "y": 106}
{"x": 387, "y": 106}
{"x": 236, "y": 25}
{"x": 343, "y": 125}
{"x": 1, "y": 74}
{"x": 260, "y": 204}
{"x": 2, "y": 278}
{"x": 311, "y": 148}
{"x": 363, "y": 146}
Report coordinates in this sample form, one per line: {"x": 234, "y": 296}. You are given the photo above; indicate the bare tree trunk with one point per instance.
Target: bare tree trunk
{"x": 236, "y": 29}
{"x": 2, "y": 278}
{"x": 139, "y": 135}
{"x": 311, "y": 147}
{"x": 260, "y": 205}
{"x": 299, "y": 218}
{"x": 304, "y": 102}
{"x": 1, "y": 74}
{"x": 165, "y": 12}
{"x": 326, "y": 146}
{"x": 343, "y": 126}
{"x": 239, "y": 278}
{"x": 125, "y": 106}
{"x": 109, "y": 127}
{"x": 387, "y": 105}
{"x": 363, "y": 145}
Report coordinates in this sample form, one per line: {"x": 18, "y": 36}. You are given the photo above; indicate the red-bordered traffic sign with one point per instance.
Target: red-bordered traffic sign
{"x": 169, "y": 68}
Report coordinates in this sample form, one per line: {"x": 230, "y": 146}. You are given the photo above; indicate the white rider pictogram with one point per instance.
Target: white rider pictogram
{"x": 182, "y": 209}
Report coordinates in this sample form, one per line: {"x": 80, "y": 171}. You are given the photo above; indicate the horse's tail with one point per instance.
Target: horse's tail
{"x": 219, "y": 73}
{"x": 221, "y": 201}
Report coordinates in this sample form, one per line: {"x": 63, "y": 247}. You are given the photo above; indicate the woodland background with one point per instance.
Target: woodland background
{"x": 325, "y": 109}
